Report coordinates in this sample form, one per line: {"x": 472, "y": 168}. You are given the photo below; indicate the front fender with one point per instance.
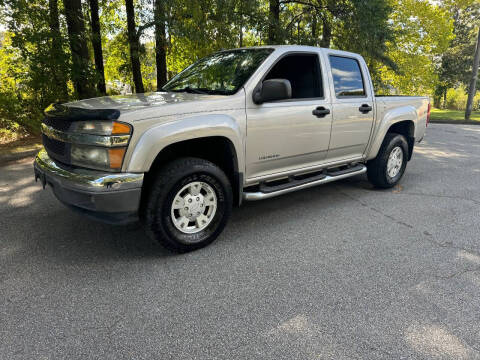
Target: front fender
{"x": 157, "y": 138}
{"x": 391, "y": 117}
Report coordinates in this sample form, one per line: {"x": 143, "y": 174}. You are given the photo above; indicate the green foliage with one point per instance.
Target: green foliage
{"x": 11, "y": 68}
{"x": 118, "y": 72}
{"x": 368, "y": 32}
{"x": 199, "y": 27}
{"x": 423, "y": 33}
{"x": 457, "y": 99}
{"x": 456, "y": 61}
{"x": 29, "y": 64}
{"x": 411, "y": 46}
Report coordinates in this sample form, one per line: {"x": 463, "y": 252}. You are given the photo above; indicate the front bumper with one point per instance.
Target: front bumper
{"x": 109, "y": 197}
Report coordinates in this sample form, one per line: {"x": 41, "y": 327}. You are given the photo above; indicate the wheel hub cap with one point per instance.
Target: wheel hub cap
{"x": 194, "y": 207}
{"x": 395, "y": 162}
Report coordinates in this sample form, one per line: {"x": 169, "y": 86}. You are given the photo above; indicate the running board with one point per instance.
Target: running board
{"x": 272, "y": 191}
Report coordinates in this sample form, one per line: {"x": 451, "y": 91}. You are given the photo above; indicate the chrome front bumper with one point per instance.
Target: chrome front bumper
{"x": 110, "y": 197}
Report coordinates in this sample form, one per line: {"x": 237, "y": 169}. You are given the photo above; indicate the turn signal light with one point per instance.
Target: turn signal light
{"x": 116, "y": 157}
{"x": 120, "y": 128}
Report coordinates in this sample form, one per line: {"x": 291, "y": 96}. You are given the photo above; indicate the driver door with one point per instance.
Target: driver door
{"x": 286, "y": 135}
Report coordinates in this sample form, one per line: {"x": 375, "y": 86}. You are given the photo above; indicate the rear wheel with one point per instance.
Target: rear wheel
{"x": 188, "y": 204}
{"x": 386, "y": 170}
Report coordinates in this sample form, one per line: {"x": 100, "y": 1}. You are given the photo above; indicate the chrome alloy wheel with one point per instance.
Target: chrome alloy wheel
{"x": 194, "y": 207}
{"x": 395, "y": 162}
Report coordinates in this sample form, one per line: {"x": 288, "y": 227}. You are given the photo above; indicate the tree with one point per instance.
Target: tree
{"x": 423, "y": 32}
{"x": 78, "y": 46}
{"x": 366, "y": 29}
{"x": 134, "y": 43}
{"x": 274, "y": 22}
{"x": 473, "y": 82}
{"x": 160, "y": 43}
{"x": 454, "y": 69}
{"x": 56, "y": 49}
{"x": 97, "y": 46}
{"x": 357, "y": 25}
{"x": 35, "y": 70}
{"x": 407, "y": 44}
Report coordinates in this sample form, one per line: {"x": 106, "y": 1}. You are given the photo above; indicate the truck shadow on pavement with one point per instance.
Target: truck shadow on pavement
{"x": 35, "y": 221}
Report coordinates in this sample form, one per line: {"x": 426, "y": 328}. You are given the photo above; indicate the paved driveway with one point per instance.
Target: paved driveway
{"x": 340, "y": 271}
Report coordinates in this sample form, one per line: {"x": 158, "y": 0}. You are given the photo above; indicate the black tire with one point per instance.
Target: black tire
{"x": 169, "y": 180}
{"x": 377, "y": 168}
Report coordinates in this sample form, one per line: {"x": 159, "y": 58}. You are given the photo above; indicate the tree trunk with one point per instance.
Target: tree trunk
{"x": 240, "y": 31}
{"x": 79, "y": 49}
{"x": 314, "y": 30}
{"x": 134, "y": 47}
{"x": 274, "y": 22}
{"x": 473, "y": 82}
{"x": 298, "y": 31}
{"x": 160, "y": 43}
{"x": 56, "y": 51}
{"x": 240, "y": 36}
{"x": 326, "y": 34}
{"x": 97, "y": 47}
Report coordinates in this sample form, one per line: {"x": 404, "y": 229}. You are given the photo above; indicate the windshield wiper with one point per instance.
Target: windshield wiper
{"x": 203, "y": 91}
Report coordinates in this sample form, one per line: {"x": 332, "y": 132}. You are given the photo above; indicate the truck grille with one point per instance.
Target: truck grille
{"x": 54, "y": 146}
{"x": 57, "y": 150}
{"x": 60, "y": 125}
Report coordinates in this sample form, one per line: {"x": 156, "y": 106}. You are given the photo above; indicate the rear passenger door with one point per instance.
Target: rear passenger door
{"x": 352, "y": 103}
{"x": 290, "y": 134}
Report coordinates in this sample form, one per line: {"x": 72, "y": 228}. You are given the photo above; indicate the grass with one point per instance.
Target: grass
{"x": 440, "y": 115}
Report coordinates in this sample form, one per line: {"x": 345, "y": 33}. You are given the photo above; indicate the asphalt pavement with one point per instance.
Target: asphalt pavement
{"x": 340, "y": 271}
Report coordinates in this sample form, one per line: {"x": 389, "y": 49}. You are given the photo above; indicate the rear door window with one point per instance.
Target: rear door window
{"x": 347, "y": 77}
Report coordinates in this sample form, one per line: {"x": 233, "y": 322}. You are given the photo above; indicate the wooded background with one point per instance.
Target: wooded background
{"x": 54, "y": 50}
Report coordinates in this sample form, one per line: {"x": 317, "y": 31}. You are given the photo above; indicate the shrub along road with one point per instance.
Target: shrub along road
{"x": 340, "y": 271}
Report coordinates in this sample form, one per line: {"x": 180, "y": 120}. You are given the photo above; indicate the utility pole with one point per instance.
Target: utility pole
{"x": 473, "y": 82}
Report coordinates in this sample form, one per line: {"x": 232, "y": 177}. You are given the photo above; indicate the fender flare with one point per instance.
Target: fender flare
{"x": 155, "y": 139}
{"x": 391, "y": 117}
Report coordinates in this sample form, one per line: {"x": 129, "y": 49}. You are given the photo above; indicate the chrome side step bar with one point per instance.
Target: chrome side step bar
{"x": 356, "y": 170}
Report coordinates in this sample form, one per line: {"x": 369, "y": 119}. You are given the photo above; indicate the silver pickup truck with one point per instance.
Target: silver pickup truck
{"x": 242, "y": 124}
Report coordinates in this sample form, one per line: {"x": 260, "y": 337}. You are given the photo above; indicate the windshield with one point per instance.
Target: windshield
{"x": 221, "y": 73}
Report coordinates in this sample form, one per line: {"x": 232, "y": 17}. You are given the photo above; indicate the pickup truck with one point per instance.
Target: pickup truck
{"x": 241, "y": 124}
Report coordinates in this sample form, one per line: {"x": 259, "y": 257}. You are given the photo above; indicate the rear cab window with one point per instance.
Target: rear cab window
{"x": 347, "y": 77}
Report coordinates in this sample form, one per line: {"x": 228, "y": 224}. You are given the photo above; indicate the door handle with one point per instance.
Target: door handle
{"x": 320, "y": 112}
{"x": 365, "y": 108}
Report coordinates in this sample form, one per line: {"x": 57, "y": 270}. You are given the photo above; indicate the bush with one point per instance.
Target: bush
{"x": 457, "y": 99}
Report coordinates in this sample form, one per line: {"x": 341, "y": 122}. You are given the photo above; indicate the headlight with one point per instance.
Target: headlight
{"x": 99, "y": 157}
{"x": 95, "y": 157}
{"x": 101, "y": 128}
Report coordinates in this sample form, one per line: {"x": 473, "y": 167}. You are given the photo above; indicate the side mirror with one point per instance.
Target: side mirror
{"x": 271, "y": 90}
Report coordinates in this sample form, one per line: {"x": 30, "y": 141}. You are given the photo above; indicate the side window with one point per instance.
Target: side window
{"x": 303, "y": 72}
{"x": 347, "y": 77}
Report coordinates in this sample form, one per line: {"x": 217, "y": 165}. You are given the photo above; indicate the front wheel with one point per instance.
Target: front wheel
{"x": 188, "y": 204}
{"x": 386, "y": 170}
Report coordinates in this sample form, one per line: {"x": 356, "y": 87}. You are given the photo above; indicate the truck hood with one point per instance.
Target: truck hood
{"x": 128, "y": 103}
